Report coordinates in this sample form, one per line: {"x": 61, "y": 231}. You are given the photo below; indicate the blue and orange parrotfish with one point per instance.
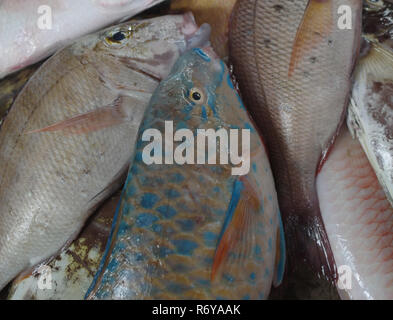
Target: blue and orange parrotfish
{"x": 195, "y": 231}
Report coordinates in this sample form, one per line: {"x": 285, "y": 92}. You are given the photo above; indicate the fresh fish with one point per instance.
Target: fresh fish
{"x": 370, "y": 115}
{"x": 195, "y": 231}
{"x": 69, "y": 136}
{"x": 294, "y": 64}
{"x": 214, "y": 12}
{"x": 10, "y": 88}
{"x": 358, "y": 220}
{"x": 69, "y": 275}
{"x": 34, "y": 29}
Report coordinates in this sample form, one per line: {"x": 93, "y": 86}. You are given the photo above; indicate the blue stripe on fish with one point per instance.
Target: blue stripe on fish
{"x": 116, "y": 220}
{"x": 236, "y": 193}
{"x": 203, "y": 55}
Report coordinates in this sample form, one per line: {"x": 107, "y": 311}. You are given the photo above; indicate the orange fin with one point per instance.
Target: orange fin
{"x": 317, "y": 23}
{"x": 23, "y": 276}
{"x": 95, "y": 120}
{"x": 237, "y": 232}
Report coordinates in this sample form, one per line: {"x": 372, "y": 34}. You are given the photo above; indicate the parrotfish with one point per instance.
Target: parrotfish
{"x": 370, "y": 114}
{"x": 67, "y": 141}
{"x": 195, "y": 231}
{"x": 33, "y": 30}
{"x": 359, "y": 222}
{"x": 293, "y": 61}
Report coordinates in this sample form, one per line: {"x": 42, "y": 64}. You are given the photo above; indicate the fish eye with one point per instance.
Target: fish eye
{"x": 197, "y": 96}
{"x": 117, "y": 37}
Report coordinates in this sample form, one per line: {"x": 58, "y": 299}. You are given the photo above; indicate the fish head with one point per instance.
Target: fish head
{"x": 151, "y": 45}
{"x": 189, "y": 93}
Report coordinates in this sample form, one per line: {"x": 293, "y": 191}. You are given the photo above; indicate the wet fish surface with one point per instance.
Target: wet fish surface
{"x": 68, "y": 139}
{"x": 359, "y": 221}
{"x": 294, "y": 65}
{"x": 33, "y": 30}
{"x": 370, "y": 114}
{"x": 185, "y": 231}
{"x": 68, "y": 276}
{"x": 11, "y": 86}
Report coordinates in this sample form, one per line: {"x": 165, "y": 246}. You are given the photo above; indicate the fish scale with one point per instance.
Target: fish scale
{"x": 172, "y": 218}
{"x": 358, "y": 218}
{"x": 296, "y": 82}
{"x": 67, "y": 141}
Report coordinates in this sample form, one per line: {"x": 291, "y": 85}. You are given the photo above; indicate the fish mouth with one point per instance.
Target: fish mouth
{"x": 193, "y": 36}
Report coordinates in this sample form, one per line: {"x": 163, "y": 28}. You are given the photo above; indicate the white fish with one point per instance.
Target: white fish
{"x": 26, "y": 39}
{"x": 69, "y": 275}
{"x": 69, "y": 135}
{"x": 370, "y": 113}
{"x": 358, "y": 220}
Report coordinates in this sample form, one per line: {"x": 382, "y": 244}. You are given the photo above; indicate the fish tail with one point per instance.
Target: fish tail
{"x": 308, "y": 247}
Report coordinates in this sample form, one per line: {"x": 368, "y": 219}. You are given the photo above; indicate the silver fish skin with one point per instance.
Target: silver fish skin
{"x": 294, "y": 63}
{"x": 370, "y": 113}
{"x": 24, "y": 41}
{"x": 359, "y": 222}
{"x": 69, "y": 136}
{"x": 68, "y": 275}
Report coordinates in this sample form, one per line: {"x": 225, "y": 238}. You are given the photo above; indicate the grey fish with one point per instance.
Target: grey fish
{"x": 68, "y": 139}
{"x": 294, "y": 65}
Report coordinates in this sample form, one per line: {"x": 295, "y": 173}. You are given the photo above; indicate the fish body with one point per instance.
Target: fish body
{"x": 195, "y": 231}
{"x": 370, "y": 114}
{"x": 68, "y": 139}
{"x": 214, "y": 12}
{"x": 68, "y": 276}
{"x": 33, "y": 30}
{"x": 359, "y": 222}
{"x": 294, "y": 64}
{"x": 10, "y": 88}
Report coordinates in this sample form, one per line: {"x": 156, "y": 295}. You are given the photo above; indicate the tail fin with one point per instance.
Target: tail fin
{"x": 310, "y": 271}
{"x": 308, "y": 245}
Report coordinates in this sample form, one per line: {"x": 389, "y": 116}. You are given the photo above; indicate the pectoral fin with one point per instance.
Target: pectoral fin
{"x": 95, "y": 120}
{"x": 238, "y": 232}
{"x": 316, "y": 25}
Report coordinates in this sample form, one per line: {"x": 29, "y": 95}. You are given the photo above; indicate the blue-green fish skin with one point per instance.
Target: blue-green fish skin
{"x": 172, "y": 219}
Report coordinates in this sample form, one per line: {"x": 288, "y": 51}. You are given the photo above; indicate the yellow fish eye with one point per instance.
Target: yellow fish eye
{"x": 117, "y": 37}
{"x": 197, "y": 96}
